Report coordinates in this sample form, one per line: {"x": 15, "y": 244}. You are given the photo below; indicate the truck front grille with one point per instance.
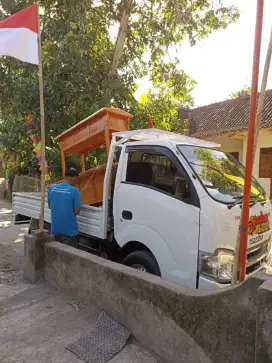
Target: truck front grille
{"x": 255, "y": 266}
{"x": 256, "y": 256}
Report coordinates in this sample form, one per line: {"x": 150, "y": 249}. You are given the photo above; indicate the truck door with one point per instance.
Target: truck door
{"x": 156, "y": 204}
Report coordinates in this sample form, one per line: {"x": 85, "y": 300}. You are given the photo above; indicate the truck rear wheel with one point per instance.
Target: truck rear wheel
{"x": 143, "y": 261}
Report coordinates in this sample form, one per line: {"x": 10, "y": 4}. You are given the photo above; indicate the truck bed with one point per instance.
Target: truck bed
{"x": 89, "y": 219}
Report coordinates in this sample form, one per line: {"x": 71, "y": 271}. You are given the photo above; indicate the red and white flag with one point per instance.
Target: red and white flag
{"x": 19, "y": 35}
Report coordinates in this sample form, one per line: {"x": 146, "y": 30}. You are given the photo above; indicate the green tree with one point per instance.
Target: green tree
{"x": 172, "y": 88}
{"x": 243, "y": 92}
{"x": 84, "y": 69}
{"x": 154, "y": 25}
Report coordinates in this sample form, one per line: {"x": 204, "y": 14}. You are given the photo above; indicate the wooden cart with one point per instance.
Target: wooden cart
{"x": 92, "y": 133}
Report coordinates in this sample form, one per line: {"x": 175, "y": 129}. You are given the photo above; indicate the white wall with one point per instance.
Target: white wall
{"x": 265, "y": 140}
{"x": 228, "y": 144}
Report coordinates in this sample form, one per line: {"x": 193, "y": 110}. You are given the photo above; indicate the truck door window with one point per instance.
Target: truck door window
{"x": 155, "y": 170}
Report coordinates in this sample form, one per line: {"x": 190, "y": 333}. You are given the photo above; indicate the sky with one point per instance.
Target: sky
{"x": 222, "y": 63}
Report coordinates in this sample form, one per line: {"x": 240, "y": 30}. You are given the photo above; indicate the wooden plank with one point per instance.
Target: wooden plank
{"x": 94, "y": 117}
{"x": 107, "y": 139}
{"x": 118, "y": 124}
{"x": 90, "y": 134}
{"x": 82, "y": 161}
{"x": 86, "y": 139}
{"x": 63, "y": 166}
{"x": 83, "y": 137}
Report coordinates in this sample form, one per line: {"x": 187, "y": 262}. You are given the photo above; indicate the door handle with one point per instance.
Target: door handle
{"x": 127, "y": 215}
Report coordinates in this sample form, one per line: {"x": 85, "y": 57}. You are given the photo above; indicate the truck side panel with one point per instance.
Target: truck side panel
{"x": 28, "y": 204}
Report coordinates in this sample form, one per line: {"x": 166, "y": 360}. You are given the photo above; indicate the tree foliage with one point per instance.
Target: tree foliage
{"x": 243, "y": 92}
{"x": 171, "y": 89}
{"x": 85, "y": 69}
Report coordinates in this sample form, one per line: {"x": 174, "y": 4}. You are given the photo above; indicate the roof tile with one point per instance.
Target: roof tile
{"x": 225, "y": 117}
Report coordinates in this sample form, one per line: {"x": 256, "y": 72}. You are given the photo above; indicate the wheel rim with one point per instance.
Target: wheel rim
{"x": 139, "y": 267}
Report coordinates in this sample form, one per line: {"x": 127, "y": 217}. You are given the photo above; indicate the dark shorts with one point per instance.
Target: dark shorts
{"x": 69, "y": 241}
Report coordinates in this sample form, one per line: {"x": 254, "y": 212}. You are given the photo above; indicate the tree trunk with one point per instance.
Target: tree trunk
{"x": 17, "y": 159}
{"x": 121, "y": 38}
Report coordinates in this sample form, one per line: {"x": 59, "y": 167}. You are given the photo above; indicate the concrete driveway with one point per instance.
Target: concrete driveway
{"x": 36, "y": 321}
{"x": 5, "y": 214}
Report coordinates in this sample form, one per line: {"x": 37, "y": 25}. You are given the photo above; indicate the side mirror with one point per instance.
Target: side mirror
{"x": 181, "y": 188}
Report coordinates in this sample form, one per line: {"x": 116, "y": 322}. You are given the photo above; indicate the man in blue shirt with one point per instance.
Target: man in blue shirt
{"x": 64, "y": 202}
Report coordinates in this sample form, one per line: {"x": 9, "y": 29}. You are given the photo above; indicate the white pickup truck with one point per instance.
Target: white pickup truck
{"x": 174, "y": 212}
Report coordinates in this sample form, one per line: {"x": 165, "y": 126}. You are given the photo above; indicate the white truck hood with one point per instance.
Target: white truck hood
{"x": 219, "y": 225}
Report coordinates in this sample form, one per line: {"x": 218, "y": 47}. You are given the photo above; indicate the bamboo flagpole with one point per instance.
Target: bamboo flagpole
{"x": 42, "y": 125}
{"x": 20, "y": 37}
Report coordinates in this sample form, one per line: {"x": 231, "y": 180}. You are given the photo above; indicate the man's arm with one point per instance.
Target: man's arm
{"x": 77, "y": 202}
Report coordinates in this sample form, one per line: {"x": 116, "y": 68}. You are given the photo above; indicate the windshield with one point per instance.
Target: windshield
{"x": 221, "y": 174}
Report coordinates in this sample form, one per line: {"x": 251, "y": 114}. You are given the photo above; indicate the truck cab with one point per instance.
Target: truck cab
{"x": 177, "y": 206}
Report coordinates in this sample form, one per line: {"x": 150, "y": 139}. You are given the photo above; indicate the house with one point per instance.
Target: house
{"x": 226, "y": 123}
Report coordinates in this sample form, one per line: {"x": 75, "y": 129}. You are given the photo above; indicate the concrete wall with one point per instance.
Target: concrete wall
{"x": 179, "y": 324}
{"x": 264, "y": 323}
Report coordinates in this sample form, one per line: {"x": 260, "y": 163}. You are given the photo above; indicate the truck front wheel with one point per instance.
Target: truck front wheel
{"x": 143, "y": 261}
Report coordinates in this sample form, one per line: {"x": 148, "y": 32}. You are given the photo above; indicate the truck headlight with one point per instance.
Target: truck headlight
{"x": 218, "y": 265}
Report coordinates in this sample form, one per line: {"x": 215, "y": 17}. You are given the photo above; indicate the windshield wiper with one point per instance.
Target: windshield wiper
{"x": 256, "y": 199}
{"x": 237, "y": 201}
{"x": 240, "y": 199}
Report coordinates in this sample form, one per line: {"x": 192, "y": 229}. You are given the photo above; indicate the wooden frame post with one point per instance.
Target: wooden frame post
{"x": 107, "y": 140}
{"x": 63, "y": 164}
{"x": 82, "y": 162}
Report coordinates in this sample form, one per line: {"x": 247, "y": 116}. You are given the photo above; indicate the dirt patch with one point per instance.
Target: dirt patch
{"x": 11, "y": 265}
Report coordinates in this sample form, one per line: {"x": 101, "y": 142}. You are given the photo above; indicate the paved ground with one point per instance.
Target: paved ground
{"x": 37, "y": 321}
{"x": 5, "y": 214}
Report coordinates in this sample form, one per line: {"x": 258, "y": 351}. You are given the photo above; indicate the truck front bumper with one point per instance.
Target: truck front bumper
{"x": 208, "y": 284}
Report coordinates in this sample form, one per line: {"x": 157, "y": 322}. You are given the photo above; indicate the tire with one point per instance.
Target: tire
{"x": 144, "y": 261}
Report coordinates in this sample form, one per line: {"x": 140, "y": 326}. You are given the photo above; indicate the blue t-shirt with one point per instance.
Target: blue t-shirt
{"x": 63, "y": 199}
